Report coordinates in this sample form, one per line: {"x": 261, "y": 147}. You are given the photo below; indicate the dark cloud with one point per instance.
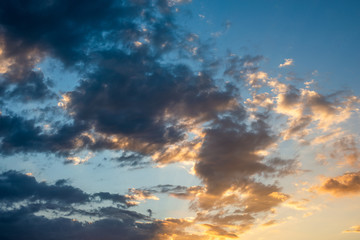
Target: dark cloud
{"x": 20, "y": 225}
{"x": 19, "y": 135}
{"x": 34, "y": 87}
{"x": 263, "y": 198}
{"x": 70, "y": 31}
{"x": 128, "y": 91}
{"x": 177, "y": 191}
{"x": 17, "y": 187}
{"x": 21, "y": 197}
{"x": 228, "y": 154}
{"x": 22, "y": 135}
{"x": 136, "y": 97}
{"x": 238, "y": 66}
{"x": 132, "y": 160}
{"x": 131, "y": 97}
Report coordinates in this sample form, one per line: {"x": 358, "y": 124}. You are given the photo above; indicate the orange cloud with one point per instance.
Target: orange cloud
{"x": 270, "y": 223}
{"x": 217, "y": 231}
{"x": 346, "y": 184}
{"x": 353, "y": 229}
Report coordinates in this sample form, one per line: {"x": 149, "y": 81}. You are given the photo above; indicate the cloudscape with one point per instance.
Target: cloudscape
{"x": 179, "y": 120}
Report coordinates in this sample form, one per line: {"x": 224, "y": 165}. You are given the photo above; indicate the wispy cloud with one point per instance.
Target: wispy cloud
{"x": 288, "y": 62}
{"x": 353, "y": 229}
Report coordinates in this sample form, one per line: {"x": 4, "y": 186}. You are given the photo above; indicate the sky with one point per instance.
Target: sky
{"x": 179, "y": 119}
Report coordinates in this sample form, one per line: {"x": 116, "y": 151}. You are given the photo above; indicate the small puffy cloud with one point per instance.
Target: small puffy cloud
{"x": 347, "y": 184}
{"x": 288, "y": 62}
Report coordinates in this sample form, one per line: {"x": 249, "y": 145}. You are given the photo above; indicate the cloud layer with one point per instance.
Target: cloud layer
{"x": 153, "y": 94}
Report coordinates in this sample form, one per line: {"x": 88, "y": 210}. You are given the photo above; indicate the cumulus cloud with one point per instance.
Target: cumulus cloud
{"x": 347, "y": 184}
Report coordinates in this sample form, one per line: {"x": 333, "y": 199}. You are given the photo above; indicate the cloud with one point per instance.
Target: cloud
{"x": 347, "y": 184}
{"x": 218, "y": 232}
{"x": 238, "y": 67}
{"x": 307, "y": 111}
{"x": 134, "y": 99}
{"x": 34, "y": 87}
{"x": 19, "y": 187}
{"x": 229, "y": 156}
{"x": 246, "y": 203}
{"x": 353, "y": 229}
{"x": 177, "y": 191}
{"x": 85, "y": 28}
{"x": 288, "y": 62}
{"x": 19, "y": 225}
{"x": 16, "y": 186}
{"x": 270, "y": 223}
{"x": 345, "y": 151}
{"x": 145, "y": 115}
{"x": 133, "y": 160}
{"x": 37, "y": 210}
{"x": 23, "y": 135}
